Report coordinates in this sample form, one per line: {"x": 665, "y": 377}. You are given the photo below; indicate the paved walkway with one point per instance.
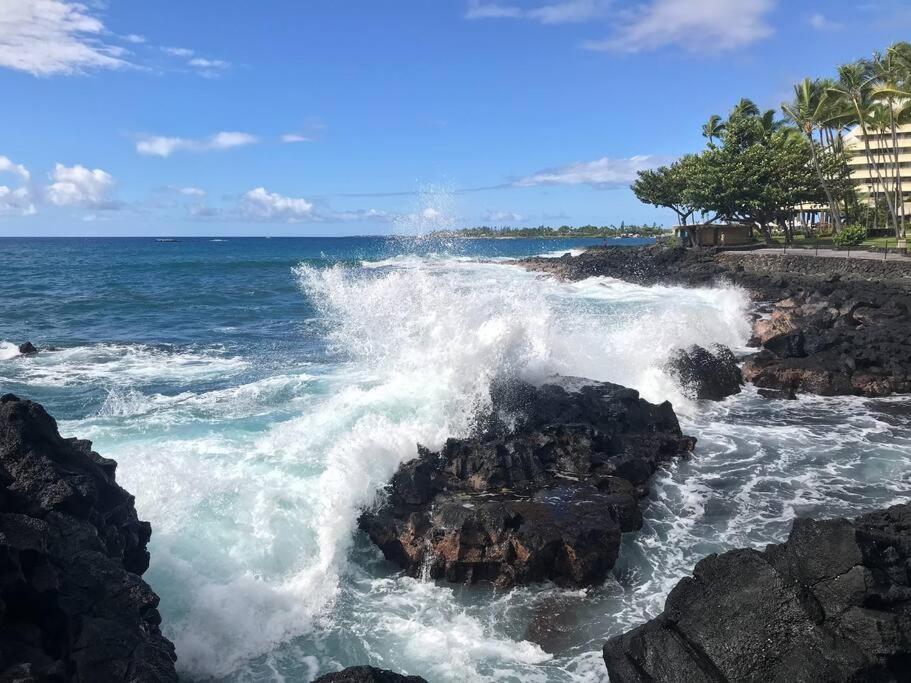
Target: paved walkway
{"x": 826, "y": 253}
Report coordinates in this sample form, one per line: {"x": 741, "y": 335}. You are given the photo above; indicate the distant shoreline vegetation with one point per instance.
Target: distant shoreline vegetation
{"x": 607, "y": 231}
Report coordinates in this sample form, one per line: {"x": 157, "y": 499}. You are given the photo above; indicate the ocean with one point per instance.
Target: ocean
{"x": 257, "y": 393}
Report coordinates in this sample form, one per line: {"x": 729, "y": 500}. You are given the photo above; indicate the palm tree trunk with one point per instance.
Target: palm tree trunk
{"x": 833, "y": 207}
{"x": 899, "y": 191}
{"x": 870, "y": 161}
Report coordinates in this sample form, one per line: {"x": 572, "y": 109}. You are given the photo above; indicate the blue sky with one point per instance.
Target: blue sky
{"x": 335, "y": 117}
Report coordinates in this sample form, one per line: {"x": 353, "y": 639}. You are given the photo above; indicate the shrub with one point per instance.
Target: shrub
{"x": 850, "y": 236}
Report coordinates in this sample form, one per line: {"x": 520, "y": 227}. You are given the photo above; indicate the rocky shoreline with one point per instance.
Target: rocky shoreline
{"x": 827, "y": 326}
{"x": 832, "y": 603}
{"x": 541, "y": 491}
{"x": 72, "y": 604}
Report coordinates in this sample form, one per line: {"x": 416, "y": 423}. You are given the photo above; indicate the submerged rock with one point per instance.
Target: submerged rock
{"x": 543, "y": 495}
{"x": 833, "y": 603}
{"x": 72, "y": 604}
{"x": 704, "y": 374}
{"x": 27, "y": 349}
{"x": 367, "y": 674}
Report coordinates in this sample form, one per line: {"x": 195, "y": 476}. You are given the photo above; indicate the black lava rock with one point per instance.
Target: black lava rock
{"x": 837, "y": 326}
{"x": 833, "y": 603}
{"x": 72, "y": 604}
{"x": 27, "y": 349}
{"x": 367, "y": 674}
{"x": 704, "y": 374}
{"x": 543, "y": 494}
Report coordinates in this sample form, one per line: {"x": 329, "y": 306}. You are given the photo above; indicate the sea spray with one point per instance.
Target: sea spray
{"x": 420, "y": 344}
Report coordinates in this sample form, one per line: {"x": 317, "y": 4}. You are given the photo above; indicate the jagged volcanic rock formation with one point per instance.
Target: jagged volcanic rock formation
{"x": 702, "y": 373}
{"x": 841, "y": 341}
{"x": 72, "y": 604}
{"x": 543, "y": 494}
{"x": 367, "y": 674}
{"x": 833, "y": 603}
{"x": 832, "y": 326}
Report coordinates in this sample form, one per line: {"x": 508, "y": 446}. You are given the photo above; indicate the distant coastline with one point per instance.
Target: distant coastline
{"x": 563, "y": 232}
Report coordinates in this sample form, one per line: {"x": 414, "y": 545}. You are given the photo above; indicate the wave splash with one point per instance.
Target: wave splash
{"x": 254, "y": 522}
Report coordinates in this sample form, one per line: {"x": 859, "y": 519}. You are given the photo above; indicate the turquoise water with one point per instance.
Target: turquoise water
{"x": 258, "y": 393}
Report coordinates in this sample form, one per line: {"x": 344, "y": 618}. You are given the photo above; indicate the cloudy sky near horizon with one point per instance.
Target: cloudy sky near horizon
{"x": 346, "y": 117}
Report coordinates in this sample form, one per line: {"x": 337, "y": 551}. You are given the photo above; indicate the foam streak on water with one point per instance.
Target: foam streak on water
{"x": 253, "y": 475}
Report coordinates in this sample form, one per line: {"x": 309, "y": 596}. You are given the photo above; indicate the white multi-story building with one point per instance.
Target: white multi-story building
{"x": 863, "y": 169}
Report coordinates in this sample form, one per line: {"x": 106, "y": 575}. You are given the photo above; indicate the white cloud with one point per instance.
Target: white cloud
{"x": 503, "y": 217}
{"x": 79, "y": 186}
{"x": 375, "y": 215}
{"x": 7, "y": 166}
{"x": 16, "y": 200}
{"x": 161, "y": 146}
{"x": 602, "y": 173}
{"x": 260, "y": 204}
{"x": 47, "y": 37}
{"x": 295, "y": 137}
{"x": 694, "y": 25}
{"x": 134, "y": 38}
{"x": 492, "y": 10}
{"x": 226, "y": 140}
{"x": 190, "y": 191}
{"x": 561, "y": 12}
{"x": 822, "y": 23}
{"x": 164, "y": 146}
{"x": 202, "y": 63}
{"x": 178, "y": 51}
{"x": 569, "y": 11}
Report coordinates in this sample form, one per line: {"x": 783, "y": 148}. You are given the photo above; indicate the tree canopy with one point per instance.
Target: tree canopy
{"x": 756, "y": 173}
{"x": 758, "y": 168}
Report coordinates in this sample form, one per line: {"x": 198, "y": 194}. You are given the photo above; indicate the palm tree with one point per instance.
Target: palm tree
{"x": 713, "y": 128}
{"x": 836, "y": 117}
{"x": 855, "y": 82}
{"x": 808, "y": 113}
{"x": 769, "y": 123}
{"x": 745, "y": 107}
{"x": 893, "y": 91}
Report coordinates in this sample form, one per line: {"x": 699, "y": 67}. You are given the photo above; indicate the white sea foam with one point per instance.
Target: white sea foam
{"x": 8, "y": 350}
{"x": 125, "y": 364}
{"x": 561, "y": 252}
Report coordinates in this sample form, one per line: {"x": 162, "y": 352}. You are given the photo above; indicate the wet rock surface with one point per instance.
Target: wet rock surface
{"x": 72, "y": 604}
{"x": 367, "y": 674}
{"x": 829, "y": 326}
{"x": 837, "y": 339}
{"x": 706, "y": 374}
{"x": 27, "y": 349}
{"x": 833, "y": 603}
{"x": 544, "y": 492}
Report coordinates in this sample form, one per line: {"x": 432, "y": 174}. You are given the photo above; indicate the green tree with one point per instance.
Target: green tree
{"x": 855, "y": 88}
{"x": 666, "y": 187}
{"x": 893, "y": 93}
{"x": 713, "y": 128}
{"x": 756, "y": 176}
{"x": 808, "y": 112}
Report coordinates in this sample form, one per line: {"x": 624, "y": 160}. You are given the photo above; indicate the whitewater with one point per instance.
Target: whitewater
{"x": 258, "y": 396}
